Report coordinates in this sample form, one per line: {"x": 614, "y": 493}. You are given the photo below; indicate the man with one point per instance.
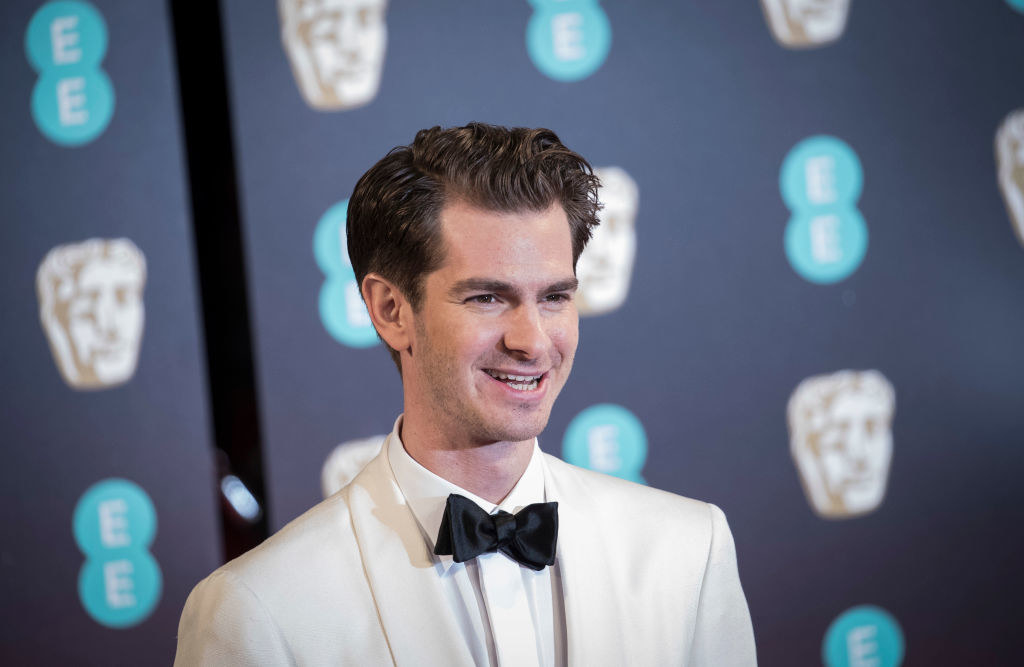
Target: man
{"x": 464, "y": 244}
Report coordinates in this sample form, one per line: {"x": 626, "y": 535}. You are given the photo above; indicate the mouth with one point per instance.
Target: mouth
{"x": 517, "y": 382}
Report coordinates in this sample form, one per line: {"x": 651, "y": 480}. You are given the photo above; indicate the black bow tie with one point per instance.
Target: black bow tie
{"x": 528, "y": 537}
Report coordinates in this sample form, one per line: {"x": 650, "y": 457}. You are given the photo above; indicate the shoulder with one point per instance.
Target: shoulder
{"x": 324, "y": 528}
{"x": 321, "y": 539}
{"x": 303, "y": 590}
{"x": 314, "y": 554}
{"x": 618, "y": 495}
{"x": 646, "y": 513}
{"x": 656, "y": 550}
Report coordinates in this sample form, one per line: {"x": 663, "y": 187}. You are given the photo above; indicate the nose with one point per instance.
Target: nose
{"x": 525, "y": 335}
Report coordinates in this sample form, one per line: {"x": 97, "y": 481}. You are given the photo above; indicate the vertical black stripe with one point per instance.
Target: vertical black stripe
{"x": 216, "y": 220}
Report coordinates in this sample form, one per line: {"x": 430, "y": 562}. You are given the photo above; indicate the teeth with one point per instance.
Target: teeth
{"x": 517, "y": 382}
{"x": 514, "y": 378}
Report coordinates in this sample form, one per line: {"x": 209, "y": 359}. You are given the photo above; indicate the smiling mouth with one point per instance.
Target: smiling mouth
{"x": 517, "y": 382}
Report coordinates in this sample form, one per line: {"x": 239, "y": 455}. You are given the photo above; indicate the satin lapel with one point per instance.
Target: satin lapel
{"x": 594, "y": 629}
{"x": 420, "y": 629}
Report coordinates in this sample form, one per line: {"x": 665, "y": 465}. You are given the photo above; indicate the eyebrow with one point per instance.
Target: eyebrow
{"x": 502, "y": 287}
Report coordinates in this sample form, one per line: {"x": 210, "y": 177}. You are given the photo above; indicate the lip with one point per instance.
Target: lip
{"x": 535, "y": 395}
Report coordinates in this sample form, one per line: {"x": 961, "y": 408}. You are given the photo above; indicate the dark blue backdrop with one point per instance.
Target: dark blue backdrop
{"x": 700, "y": 105}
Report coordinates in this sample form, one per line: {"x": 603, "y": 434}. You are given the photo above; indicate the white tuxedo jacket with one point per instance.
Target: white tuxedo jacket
{"x": 649, "y": 578}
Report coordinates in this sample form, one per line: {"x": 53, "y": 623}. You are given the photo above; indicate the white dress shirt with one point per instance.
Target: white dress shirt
{"x": 510, "y": 615}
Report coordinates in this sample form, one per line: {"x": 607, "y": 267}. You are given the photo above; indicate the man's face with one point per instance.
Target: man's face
{"x": 606, "y": 265}
{"x": 104, "y": 319}
{"x": 501, "y": 305}
{"x": 340, "y": 45}
{"x": 803, "y": 23}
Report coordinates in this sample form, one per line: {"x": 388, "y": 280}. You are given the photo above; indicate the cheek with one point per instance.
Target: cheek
{"x": 461, "y": 339}
{"x": 566, "y": 335}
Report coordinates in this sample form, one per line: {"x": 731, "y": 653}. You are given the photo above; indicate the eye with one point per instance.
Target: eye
{"x": 558, "y": 297}
{"x": 481, "y": 298}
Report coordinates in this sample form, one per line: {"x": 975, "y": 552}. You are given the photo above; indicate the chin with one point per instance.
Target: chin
{"x": 519, "y": 430}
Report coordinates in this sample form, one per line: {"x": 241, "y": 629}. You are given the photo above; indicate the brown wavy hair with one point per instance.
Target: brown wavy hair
{"x": 394, "y": 213}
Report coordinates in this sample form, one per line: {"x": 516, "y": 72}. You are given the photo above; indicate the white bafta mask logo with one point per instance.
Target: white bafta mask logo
{"x": 606, "y": 265}
{"x": 806, "y": 23}
{"x": 336, "y": 49}
{"x": 348, "y": 460}
{"x": 90, "y": 303}
{"x": 840, "y": 436}
{"x": 1010, "y": 166}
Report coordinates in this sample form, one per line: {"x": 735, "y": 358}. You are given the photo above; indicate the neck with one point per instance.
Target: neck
{"x": 486, "y": 469}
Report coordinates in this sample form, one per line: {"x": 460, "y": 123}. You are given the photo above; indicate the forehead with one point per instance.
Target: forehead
{"x": 505, "y": 244}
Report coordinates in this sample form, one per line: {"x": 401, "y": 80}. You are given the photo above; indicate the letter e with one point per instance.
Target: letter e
{"x": 63, "y": 38}
{"x": 567, "y": 35}
{"x": 118, "y": 583}
{"x": 825, "y": 239}
{"x": 113, "y": 524}
{"x": 71, "y": 101}
{"x": 603, "y": 446}
{"x": 861, "y": 647}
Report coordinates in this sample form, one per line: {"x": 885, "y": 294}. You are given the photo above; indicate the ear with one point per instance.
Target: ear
{"x": 390, "y": 311}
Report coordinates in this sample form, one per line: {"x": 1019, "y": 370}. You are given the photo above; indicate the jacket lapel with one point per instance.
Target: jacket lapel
{"x": 403, "y": 576}
{"x": 593, "y": 622}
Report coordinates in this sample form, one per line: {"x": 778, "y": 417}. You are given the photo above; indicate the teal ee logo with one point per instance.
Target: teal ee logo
{"x": 341, "y": 307}
{"x": 864, "y": 636}
{"x": 568, "y": 40}
{"x": 114, "y": 524}
{"x": 607, "y": 438}
{"x": 1016, "y": 4}
{"x": 826, "y": 237}
{"x": 73, "y": 99}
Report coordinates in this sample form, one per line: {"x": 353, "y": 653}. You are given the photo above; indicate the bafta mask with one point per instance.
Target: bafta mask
{"x": 336, "y": 49}
{"x": 806, "y": 23}
{"x": 348, "y": 460}
{"x": 840, "y": 430}
{"x": 606, "y": 265}
{"x": 1010, "y": 166}
{"x": 90, "y": 303}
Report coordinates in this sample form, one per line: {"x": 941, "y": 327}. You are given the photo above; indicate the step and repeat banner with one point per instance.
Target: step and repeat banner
{"x": 108, "y": 508}
{"x": 805, "y": 304}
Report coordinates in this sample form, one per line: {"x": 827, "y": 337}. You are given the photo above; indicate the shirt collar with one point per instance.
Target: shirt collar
{"x": 427, "y": 493}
